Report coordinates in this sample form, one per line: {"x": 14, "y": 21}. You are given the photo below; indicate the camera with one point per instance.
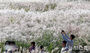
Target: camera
{"x": 62, "y": 30}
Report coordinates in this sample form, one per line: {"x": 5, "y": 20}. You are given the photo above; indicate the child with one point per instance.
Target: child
{"x": 69, "y": 40}
{"x": 64, "y": 48}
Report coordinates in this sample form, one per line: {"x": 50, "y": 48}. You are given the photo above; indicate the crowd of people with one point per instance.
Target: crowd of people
{"x": 67, "y": 45}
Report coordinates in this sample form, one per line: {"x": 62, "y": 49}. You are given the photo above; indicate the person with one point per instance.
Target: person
{"x": 64, "y": 48}
{"x": 10, "y": 47}
{"x": 41, "y": 49}
{"x": 32, "y": 48}
{"x": 69, "y": 40}
{"x": 6, "y": 47}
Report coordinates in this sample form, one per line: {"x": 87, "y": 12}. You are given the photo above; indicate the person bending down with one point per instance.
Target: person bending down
{"x": 69, "y": 40}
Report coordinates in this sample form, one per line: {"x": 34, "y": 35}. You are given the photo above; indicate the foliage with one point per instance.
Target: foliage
{"x": 49, "y": 41}
{"x": 50, "y": 6}
{"x": 1, "y": 46}
{"x": 22, "y": 44}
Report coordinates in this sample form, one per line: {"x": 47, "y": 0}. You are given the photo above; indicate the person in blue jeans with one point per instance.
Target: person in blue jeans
{"x": 69, "y": 40}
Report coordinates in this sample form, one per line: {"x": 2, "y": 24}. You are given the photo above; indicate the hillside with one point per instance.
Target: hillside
{"x": 27, "y": 21}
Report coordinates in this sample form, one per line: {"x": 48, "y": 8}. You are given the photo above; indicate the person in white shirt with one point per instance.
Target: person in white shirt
{"x": 64, "y": 48}
{"x": 41, "y": 49}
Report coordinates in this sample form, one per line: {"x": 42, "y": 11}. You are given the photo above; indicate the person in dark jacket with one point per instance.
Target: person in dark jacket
{"x": 32, "y": 47}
